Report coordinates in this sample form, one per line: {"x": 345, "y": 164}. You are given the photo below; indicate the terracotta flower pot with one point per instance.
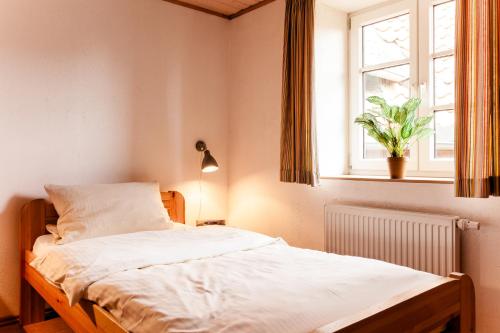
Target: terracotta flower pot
{"x": 397, "y": 167}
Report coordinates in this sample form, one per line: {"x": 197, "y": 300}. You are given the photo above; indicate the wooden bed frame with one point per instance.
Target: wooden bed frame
{"x": 448, "y": 302}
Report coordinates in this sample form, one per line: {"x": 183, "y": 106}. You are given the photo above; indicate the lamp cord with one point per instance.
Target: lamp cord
{"x": 200, "y": 189}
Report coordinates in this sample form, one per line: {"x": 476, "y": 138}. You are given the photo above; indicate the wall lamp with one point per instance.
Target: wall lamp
{"x": 209, "y": 164}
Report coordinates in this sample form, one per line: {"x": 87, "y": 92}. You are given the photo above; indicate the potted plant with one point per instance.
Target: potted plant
{"x": 397, "y": 128}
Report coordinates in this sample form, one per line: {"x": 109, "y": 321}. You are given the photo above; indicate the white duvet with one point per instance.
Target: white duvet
{"x": 219, "y": 279}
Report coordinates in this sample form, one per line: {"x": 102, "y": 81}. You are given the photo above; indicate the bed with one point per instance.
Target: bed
{"x": 410, "y": 306}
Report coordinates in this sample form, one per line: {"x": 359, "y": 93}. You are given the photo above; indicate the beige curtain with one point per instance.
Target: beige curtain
{"x": 298, "y": 138}
{"x": 477, "y": 129}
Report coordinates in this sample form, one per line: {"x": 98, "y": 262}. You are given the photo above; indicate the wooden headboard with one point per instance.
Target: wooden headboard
{"x": 36, "y": 214}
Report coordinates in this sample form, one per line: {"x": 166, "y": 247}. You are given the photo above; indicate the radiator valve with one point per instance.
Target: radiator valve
{"x": 465, "y": 224}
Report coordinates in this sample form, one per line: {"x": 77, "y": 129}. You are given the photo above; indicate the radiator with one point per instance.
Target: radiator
{"x": 426, "y": 242}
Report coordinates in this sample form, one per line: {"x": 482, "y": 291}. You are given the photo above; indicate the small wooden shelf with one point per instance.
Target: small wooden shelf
{"x": 56, "y": 325}
{"x": 201, "y": 223}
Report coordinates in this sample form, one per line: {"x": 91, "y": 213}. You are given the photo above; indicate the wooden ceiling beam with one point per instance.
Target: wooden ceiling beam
{"x": 249, "y": 9}
{"x": 198, "y": 8}
{"x": 212, "y": 12}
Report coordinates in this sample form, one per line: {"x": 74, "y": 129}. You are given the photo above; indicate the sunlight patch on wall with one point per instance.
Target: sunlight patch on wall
{"x": 331, "y": 79}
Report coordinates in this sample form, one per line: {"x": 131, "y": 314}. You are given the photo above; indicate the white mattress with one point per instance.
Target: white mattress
{"x": 219, "y": 279}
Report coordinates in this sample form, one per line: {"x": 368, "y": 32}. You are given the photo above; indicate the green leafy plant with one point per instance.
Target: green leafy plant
{"x": 395, "y": 127}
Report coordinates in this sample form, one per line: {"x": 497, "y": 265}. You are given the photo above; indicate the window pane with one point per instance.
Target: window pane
{"x": 372, "y": 149}
{"x": 444, "y": 124}
{"x": 444, "y": 26}
{"x": 391, "y": 83}
{"x": 386, "y": 41}
{"x": 444, "y": 81}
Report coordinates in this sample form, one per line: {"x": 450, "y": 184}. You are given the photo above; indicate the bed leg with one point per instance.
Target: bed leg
{"x": 467, "y": 319}
{"x": 32, "y": 305}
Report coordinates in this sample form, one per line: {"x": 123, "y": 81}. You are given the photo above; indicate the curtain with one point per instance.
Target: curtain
{"x": 298, "y": 163}
{"x": 477, "y": 129}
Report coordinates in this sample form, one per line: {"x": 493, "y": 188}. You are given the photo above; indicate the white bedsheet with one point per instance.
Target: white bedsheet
{"x": 219, "y": 279}
{"x": 45, "y": 242}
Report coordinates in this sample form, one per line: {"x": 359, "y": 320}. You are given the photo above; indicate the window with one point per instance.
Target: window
{"x": 402, "y": 50}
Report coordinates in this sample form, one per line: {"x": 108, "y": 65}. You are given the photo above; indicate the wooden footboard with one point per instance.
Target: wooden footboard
{"x": 449, "y": 303}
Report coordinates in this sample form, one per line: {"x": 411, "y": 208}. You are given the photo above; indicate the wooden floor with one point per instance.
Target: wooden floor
{"x": 11, "y": 329}
{"x": 58, "y": 328}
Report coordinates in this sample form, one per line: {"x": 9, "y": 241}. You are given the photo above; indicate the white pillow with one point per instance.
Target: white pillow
{"x": 89, "y": 211}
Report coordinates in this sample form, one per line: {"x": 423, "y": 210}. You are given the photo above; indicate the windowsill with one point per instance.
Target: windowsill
{"x": 424, "y": 180}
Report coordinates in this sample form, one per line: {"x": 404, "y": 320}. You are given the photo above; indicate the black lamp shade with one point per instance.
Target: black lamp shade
{"x": 209, "y": 164}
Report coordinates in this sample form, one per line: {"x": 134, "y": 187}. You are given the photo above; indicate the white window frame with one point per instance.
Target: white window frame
{"x": 427, "y": 161}
{"x": 421, "y": 163}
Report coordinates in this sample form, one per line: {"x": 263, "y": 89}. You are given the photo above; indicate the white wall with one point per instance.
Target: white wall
{"x": 258, "y": 201}
{"x": 102, "y": 91}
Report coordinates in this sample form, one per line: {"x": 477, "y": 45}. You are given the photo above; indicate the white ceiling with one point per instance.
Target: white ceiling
{"x": 350, "y": 6}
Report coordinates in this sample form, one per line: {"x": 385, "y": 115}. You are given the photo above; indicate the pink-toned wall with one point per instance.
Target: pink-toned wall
{"x": 101, "y": 91}
{"x": 105, "y": 91}
{"x": 258, "y": 201}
